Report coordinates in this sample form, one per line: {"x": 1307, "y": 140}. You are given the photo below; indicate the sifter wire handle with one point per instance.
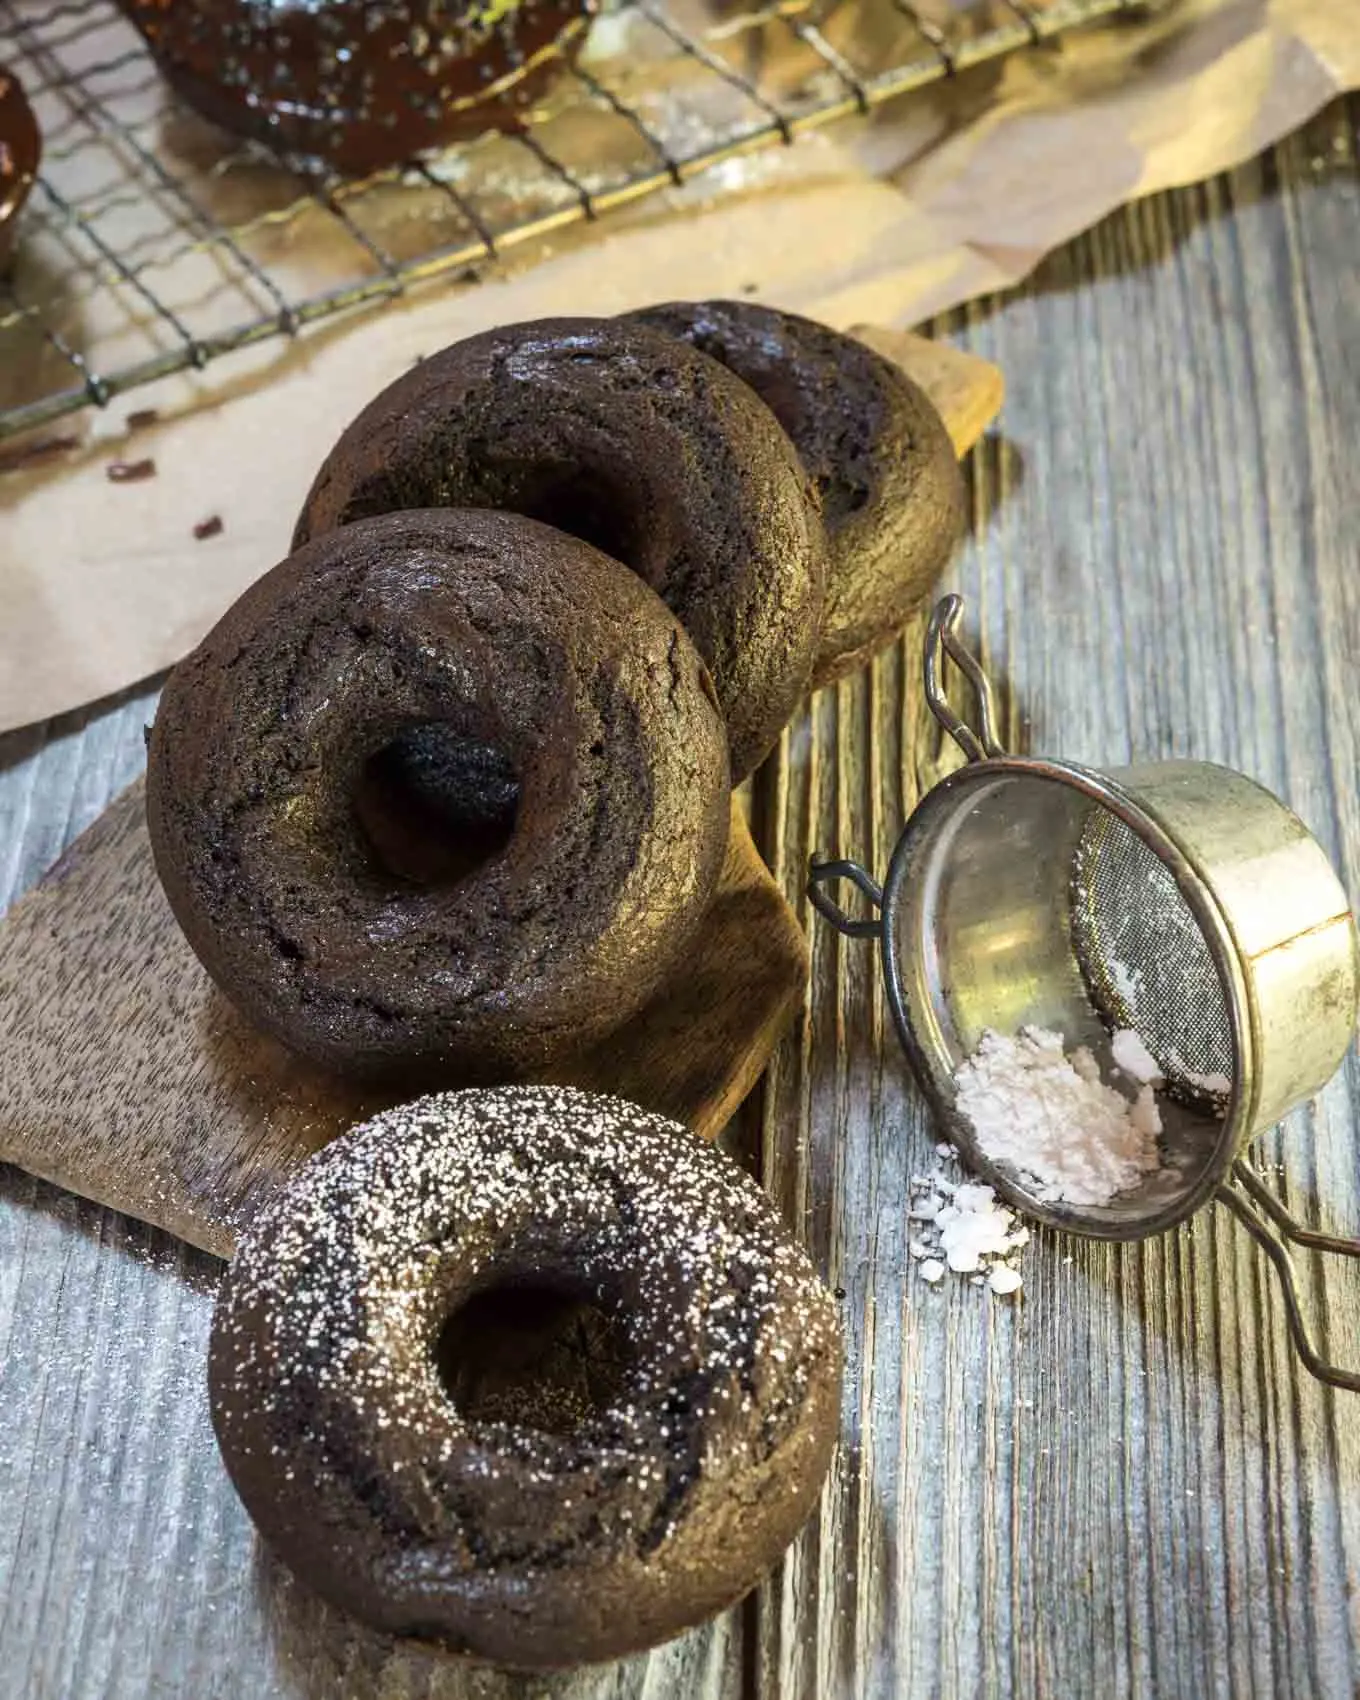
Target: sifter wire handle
{"x": 1272, "y": 1227}
{"x": 942, "y": 638}
{"x": 824, "y": 873}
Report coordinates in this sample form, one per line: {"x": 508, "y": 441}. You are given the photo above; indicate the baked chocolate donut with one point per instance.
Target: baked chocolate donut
{"x": 625, "y": 437}
{"x": 357, "y": 85}
{"x": 20, "y": 153}
{"x": 365, "y": 1312}
{"x": 892, "y": 496}
{"x": 443, "y": 796}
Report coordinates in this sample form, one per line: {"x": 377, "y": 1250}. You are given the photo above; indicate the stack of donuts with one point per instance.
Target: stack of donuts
{"x": 445, "y": 795}
{"x": 440, "y": 801}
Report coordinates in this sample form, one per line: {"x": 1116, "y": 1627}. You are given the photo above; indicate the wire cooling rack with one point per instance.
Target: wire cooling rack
{"x": 152, "y": 243}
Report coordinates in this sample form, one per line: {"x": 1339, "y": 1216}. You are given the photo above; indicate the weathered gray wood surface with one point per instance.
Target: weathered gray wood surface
{"x": 1122, "y": 1486}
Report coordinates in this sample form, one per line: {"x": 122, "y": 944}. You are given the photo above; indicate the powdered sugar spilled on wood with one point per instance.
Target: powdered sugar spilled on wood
{"x": 958, "y": 1226}
{"x": 1047, "y": 1115}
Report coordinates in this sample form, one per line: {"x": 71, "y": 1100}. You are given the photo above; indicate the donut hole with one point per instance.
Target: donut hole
{"x": 533, "y": 1354}
{"x": 593, "y": 508}
{"x": 434, "y": 805}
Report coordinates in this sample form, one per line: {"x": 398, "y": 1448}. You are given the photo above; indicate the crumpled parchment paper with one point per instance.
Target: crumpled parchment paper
{"x": 935, "y": 200}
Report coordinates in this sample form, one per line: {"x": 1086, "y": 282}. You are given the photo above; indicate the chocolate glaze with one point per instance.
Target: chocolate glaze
{"x": 355, "y": 85}
{"x": 443, "y": 796}
{"x": 623, "y": 436}
{"x": 549, "y": 1535}
{"x": 892, "y": 496}
{"x": 20, "y": 154}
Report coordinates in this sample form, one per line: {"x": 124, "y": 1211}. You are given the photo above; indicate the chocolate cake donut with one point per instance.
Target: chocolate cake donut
{"x": 20, "y": 153}
{"x": 891, "y": 493}
{"x": 441, "y": 796}
{"x": 657, "y": 1462}
{"x": 625, "y": 437}
{"x": 355, "y": 85}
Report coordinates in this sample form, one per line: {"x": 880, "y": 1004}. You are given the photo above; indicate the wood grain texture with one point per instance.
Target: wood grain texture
{"x": 1122, "y": 1485}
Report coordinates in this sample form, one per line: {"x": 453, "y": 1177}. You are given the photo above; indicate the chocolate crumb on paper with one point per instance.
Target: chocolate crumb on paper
{"x": 210, "y": 527}
{"x": 141, "y": 417}
{"x": 130, "y": 471}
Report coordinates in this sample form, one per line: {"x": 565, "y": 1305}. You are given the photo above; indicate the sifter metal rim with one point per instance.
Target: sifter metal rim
{"x": 1195, "y": 884}
{"x": 1225, "y": 1175}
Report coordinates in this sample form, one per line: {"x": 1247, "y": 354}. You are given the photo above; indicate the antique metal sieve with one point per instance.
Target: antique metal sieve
{"x": 1178, "y": 899}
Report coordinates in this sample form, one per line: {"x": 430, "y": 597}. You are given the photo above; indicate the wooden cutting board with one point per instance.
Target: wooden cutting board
{"x": 126, "y": 1077}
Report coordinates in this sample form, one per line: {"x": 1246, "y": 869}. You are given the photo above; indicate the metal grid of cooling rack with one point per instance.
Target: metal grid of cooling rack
{"x": 152, "y": 244}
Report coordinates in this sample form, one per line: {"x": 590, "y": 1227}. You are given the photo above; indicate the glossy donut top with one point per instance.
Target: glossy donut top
{"x": 506, "y": 1541}
{"x": 627, "y": 438}
{"x": 20, "y": 154}
{"x": 549, "y": 671}
{"x": 358, "y": 85}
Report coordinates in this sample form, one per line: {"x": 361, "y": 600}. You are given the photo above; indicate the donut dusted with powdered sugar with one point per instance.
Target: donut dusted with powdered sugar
{"x": 535, "y": 1542}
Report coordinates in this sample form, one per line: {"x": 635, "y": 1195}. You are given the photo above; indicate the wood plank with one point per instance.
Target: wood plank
{"x": 128, "y": 1078}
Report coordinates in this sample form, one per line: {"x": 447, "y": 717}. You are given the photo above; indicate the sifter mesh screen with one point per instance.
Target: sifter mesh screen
{"x": 1144, "y": 958}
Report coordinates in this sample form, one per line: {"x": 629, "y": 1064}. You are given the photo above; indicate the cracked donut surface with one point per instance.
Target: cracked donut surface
{"x": 637, "y": 443}
{"x": 481, "y": 922}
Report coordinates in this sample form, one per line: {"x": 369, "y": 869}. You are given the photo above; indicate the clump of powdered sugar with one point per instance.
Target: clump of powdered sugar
{"x": 1132, "y": 1056}
{"x": 1124, "y": 979}
{"x": 1052, "y": 1118}
{"x": 959, "y": 1226}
